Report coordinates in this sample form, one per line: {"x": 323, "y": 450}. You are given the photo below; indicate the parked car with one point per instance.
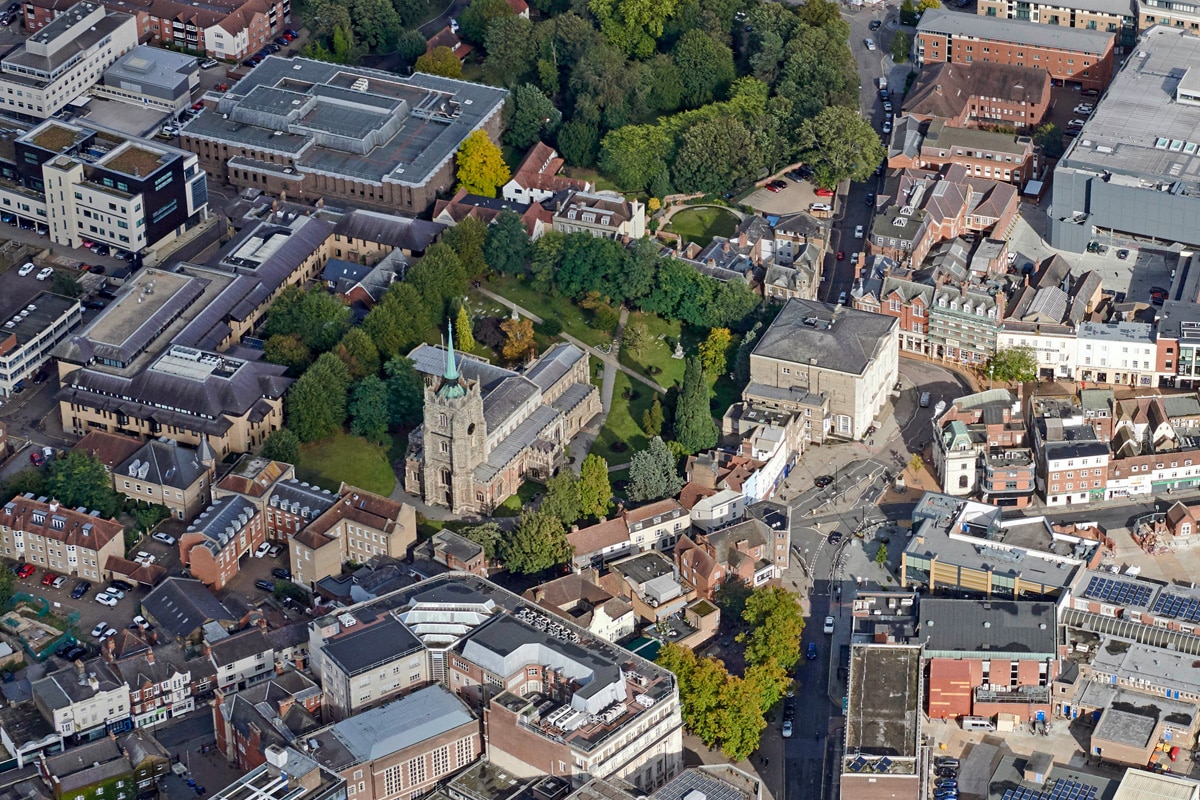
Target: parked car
{"x": 275, "y": 550}
{"x": 76, "y": 652}
{"x": 787, "y": 729}
{"x": 100, "y": 628}
{"x": 26, "y": 268}
{"x": 140, "y": 621}
{"x": 875, "y": 24}
{"x": 870, "y": 43}
{"x": 811, "y": 653}
{"x": 824, "y": 192}
{"x": 165, "y": 538}
{"x": 113, "y": 591}
{"x": 771, "y": 187}
{"x": 821, "y": 481}
{"x": 265, "y": 585}
{"x": 261, "y": 550}
{"x": 828, "y": 625}
{"x": 48, "y": 578}
{"x": 1122, "y": 254}
{"x": 124, "y": 586}
{"x": 144, "y": 558}
{"x": 208, "y": 63}
{"x": 887, "y": 127}
{"x": 858, "y": 231}
{"x": 105, "y": 599}
{"x": 58, "y": 582}
{"x": 1084, "y": 108}
{"x": 81, "y": 588}
{"x": 25, "y": 571}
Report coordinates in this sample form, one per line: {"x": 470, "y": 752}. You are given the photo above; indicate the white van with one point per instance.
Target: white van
{"x": 977, "y": 724}
{"x": 822, "y": 207}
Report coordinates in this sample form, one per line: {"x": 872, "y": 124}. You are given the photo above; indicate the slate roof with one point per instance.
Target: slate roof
{"x": 238, "y": 647}
{"x": 181, "y": 605}
{"x": 996, "y": 626}
{"x": 363, "y": 646}
{"x": 431, "y": 360}
{"x": 842, "y": 339}
{"x": 553, "y": 364}
{"x": 73, "y": 527}
{"x": 221, "y": 521}
{"x": 164, "y": 463}
{"x": 405, "y": 233}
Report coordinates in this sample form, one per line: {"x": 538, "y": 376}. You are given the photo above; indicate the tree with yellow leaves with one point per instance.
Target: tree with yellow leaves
{"x": 481, "y": 167}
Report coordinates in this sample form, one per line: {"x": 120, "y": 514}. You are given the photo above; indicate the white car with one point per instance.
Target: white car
{"x": 113, "y": 591}
{"x": 1076, "y": 123}
{"x": 275, "y": 550}
{"x": 144, "y": 558}
{"x": 99, "y": 629}
{"x": 45, "y": 273}
{"x": 1084, "y": 108}
{"x": 106, "y": 600}
{"x": 262, "y": 550}
{"x": 26, "y": 268}
{"x": 858, "y": 232}
{"x": 829, "y": 624}
{"x": 165, "y": 538}
{"x": 870, "y": 43}
{"x": 140, "y": 621}
{"x": 787, "y": 729}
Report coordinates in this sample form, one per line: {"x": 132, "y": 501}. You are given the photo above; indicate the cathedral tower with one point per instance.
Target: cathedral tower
{"x": 455, "y": 437}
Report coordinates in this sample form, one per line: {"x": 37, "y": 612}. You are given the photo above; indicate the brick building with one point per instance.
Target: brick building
{"x": 219, "y": 538}
{"x": 273, "y": 712}
{"x": 908, "y": 301}
{"x": 1077, "y": 56}
{"x": 749, "y": 551}
{"x": 358, "y": 527}
{"x": 971, "y": 95}
{"x": 64, "y": 540}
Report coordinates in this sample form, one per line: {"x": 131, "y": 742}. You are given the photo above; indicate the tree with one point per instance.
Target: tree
{"x": 487, "y": 535}
{"x": 925, "y": 5}
{"x": 376, "y": 24}
{"x": 30, "y": 480}
{"x": 8, "y": 583}
{"x": 519, "y": 344}
{"x": 481, "y": 167}
{"x": 715, "y": 156}
{"x": 595, "y": 491}
{"x": 633, "y": 26}
{"x": 652, "y": 419}
{"x": 840, "y": 144}
{"x": 289, "y": 350}
{"x": 562, "y": 499}
{"x": 282, "y": 445}
{"x": 369, "y": 410}
{"x": 652, "y": 473}
{"x": 637, "y": 338}
{"x": 705, "y": 67}
{"x": 694, "y": 426}
{"x": 881, "y": 555}
{"x": 64, "y": 284}
{"x": 399, "y": 321}
{"x": 511, "y": 50}
{"x": 316, "y": 404}
{"x": 464, "y": 336}
{"x": 767, "y": 682}
{"x": 507, "y": 249}
{"x": 410, "y": 46}
{"x": 631, "y": 154}
{"x": 476, "y": 18}
{"x": 547, "y": 255}
{"x": 731, "y": 599}
{"x": 1013, "y": 365}
{"x": 466, "y": 239}
{"x": 713, "y": 350}
{"x": 439, "y": 278}
{"x": 533, "y": 117}
{"x": 740, "y": 720}
{"x": 358, "y": 353}
{"x": 79, "y": 479}
{"x": 578, "y": 142}
{"x": 775, "y": 622}
{"x": 406, "y": 393}
{"x": 901, "y": 46}
{"x": 916, "y": 463}
{"x": 317, "y": 317}
{"x": 439, "y": 61}
{"x": 538, "y": 543}
{"x": 1050, "y": 138}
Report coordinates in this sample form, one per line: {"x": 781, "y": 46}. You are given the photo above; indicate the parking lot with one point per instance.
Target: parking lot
{"x": 796, "y": 196}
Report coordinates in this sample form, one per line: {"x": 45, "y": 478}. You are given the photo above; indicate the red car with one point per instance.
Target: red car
{"x": 198, "y": 105}
{"x": 824, "y": 192}
{"x": 222, "y": 87}
{"x": 37, "y": 458}
{"x": 771, "y": 187}
{"x": 841, "y": 255}
{"x": 48, "y": 578}
{"x": 25, "y": 571}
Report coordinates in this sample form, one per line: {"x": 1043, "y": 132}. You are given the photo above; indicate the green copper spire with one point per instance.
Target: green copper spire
{"x": 451, "y": 367}
{"x": 451, "y": 385}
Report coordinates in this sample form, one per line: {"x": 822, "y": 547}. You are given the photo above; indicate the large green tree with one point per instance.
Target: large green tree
{"x": 511, "y": 50}
{"x": 487, "y": 535}
{"x": 316, "y": 316}
{"x": 652, "y": 473}
{"x": 282, "y": 445}
{"x": 595, "y": 491}
{"x": 476, "y": 18}
{"x": 538, "y": 543}
{"x": 705, "y": 67}
{"x": 694, "y": 426}
{"x": 632, "y": 154}
{"x": 369, "y": 410}
{"x": 316, "y": 404}
{"x": 79, "y": 479}
{"x": 399, "y": 322}
{"x": 439, "y": 277}
{"x": 481, "y": 167}
{"x": 633, "y": 26}
{"x": 406, "y": 392}
{"x": 775, "y": 622}
{"x": 715, "y": 156}
{"x": 840, "y": 144}
{"x": 1013, "y": 365}
{"x": 376, "y": 24}
{"x": 507, "y": 249}
{"x": 289, "y": 350}
{"x": 562, "y": 499}
{"x": 359, "y": 354}
{"x": 533, "y": 117}
{"x": 441, "y": 60}
{"x": 1050, "y": 138}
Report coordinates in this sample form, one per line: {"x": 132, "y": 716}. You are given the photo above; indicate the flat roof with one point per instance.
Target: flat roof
{"x": 1034, "y": 34}
{"x": 151, "y": 66}
{"x": 325, "y": 116}
{"x": 40, "y": 313}
{"x": 1136, "y": 662}
{"x": 84, "y": 41}
{"x": 952, "y": 627}
{"x": 1139, "y": 130}
{"x": 883, "y": 716}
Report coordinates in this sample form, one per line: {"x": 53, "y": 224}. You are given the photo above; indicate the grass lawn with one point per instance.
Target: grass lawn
{"x": 599, "y": 181}
{"x": 347, "y": 458}
{"x": 655, "y": 361}
{"x": 512, "y": 506}
{"x": 572, "y": 318}
{"x": 700, "y": 225}
{"x": 624, "y": 422}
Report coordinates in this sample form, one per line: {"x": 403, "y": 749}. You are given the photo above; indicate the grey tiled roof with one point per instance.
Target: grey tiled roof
{"x": 553, "y": 364}
{"x": 839, "y": 338}
{"x": 165, "y": 463}
{"x": 431, "y": 360}
{"x": 1034, "y": 34}
{"x": 406, "y": 233}
{"x": 181, "y": 605}
{"x": 502, "y": 402}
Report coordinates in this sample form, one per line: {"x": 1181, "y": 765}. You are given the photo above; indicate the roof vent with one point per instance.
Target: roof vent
{"x": 987, "y": 624}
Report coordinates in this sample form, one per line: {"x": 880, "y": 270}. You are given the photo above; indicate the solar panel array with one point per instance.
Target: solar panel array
{"x": 1061, "y": 789}
{"x": 883, "y": 764}
{"x": 857, "y": 764}
{"x": 1107, "y": 590}
{"x": 1173, "y": 605}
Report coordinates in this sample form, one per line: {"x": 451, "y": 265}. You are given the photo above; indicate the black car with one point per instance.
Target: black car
{"x": 75, "y": 653}
{"x": 81, "y": 588}
{"x": 65, "y": 647}
{"x": 821, "y": 481}
{"x": 870, "y": 199}
{"x": 266, "y": 586}
{"x": 124, "y": 586}
{"x": 875, "y": 24}
{"x": 282, "y": 574}
{"x": 1122, "y": 254}
{"x": 835, "y": 537}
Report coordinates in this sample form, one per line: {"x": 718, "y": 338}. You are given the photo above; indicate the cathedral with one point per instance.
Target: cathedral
{"x": 487, "y": 429}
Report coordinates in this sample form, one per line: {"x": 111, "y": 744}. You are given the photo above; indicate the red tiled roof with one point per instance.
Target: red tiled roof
{"x": 693, "y": 493}
{"x": 599, "y": 536}
{"x": 108, "y": 448}
{"x": 79, "y": 528}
